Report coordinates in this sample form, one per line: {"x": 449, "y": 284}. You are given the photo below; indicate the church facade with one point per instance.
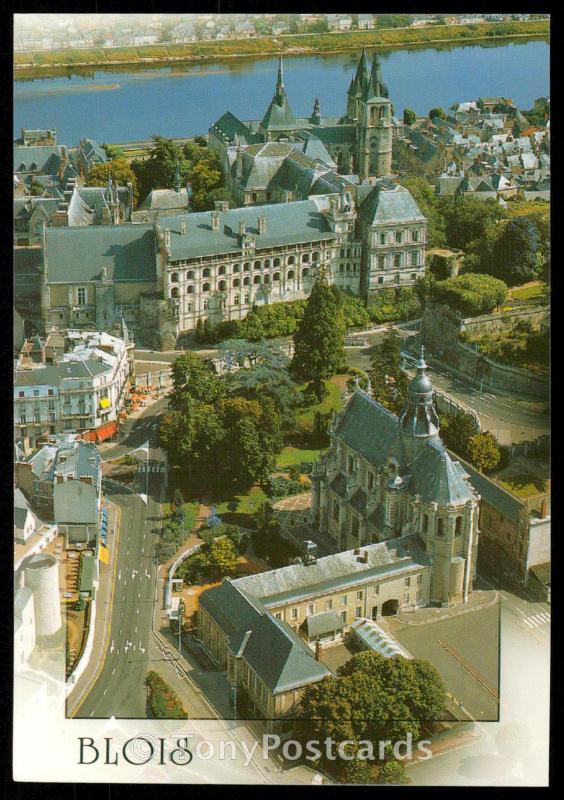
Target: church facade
{"x": 384, "y": 478}
{"x": 359, "y": 142}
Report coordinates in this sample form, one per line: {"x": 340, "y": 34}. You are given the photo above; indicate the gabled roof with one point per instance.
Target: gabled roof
{"x": 46, "y": 159}
{"x": 231, "y": 126}
{"x": 279, "y": 117}
{"x": 320, "y": 624}
{"x": 78, "y": 254}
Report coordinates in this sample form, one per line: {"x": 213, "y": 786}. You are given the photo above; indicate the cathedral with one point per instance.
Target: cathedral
{"x": 359, "y": 142}
{"x": 384, "y": 478}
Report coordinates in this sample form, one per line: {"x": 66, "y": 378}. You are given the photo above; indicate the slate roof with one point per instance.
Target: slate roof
{"x": 47, "y": 158}
{"x": 358, "y": 501}
{"x": 231, "y": 126}
{"x": 437, "y": 477}
{"x": 297, "y": 581}
{"x": 368, "y": 428}
{"x": 320, "y": 624}
{"x": 278, "y": 656}
{"x": 279, "y": 117}
{"x": 78, "y": 254}
{"x": 337, "y": 134}
{"x": 26, "y": 265}
{"x": 390, "y": 205}
{"x": 287, "y": 223}
{"x": 339, "y": 485}
{"x": 166, "y": 199}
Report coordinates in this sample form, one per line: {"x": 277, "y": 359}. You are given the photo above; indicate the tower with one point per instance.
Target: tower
{"x": 279, "y": 120}
{"x": 418, "y": 422}
{"x": 373, "y": 120}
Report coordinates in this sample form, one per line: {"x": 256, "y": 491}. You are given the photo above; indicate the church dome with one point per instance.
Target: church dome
{"x": 421, "y": 384}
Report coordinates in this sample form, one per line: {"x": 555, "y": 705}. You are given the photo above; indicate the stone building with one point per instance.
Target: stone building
{"x": 360, "y": 141}
{"x": 385, "y": 477}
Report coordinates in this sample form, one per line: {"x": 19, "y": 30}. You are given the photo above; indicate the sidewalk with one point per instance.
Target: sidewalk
{"x": 425, "y": 616}
{"x": 104, "y": 597}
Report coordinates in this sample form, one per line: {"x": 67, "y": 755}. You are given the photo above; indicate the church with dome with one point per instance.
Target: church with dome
{"x": 385, "y": 477}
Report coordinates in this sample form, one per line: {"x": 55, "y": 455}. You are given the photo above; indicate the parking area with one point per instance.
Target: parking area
{"x": 465, "y": 650}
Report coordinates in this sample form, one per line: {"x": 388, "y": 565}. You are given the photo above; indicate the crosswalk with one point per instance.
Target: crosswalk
{"x": 537, "y": 620}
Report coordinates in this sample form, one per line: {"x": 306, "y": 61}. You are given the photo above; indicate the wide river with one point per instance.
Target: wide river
{"x": 124, "y": 106}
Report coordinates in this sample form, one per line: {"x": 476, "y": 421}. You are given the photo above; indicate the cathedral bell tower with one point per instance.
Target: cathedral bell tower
{"x": 373, "y": 121}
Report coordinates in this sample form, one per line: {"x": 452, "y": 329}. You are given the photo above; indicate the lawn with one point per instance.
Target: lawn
{"x": 190, "y": 513}
{"x": 248, "y": 503}
{"x": 295, "y": 455}
{"x": 534, "y": 291}
{"x": 521, "y": 485}
{"x": 333, "y": 401}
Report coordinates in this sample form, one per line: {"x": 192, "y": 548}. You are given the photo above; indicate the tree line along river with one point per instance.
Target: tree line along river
{"x": 128, "y": 105}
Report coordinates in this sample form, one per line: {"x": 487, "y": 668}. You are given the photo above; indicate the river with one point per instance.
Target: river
{"x": 124, "y": 106}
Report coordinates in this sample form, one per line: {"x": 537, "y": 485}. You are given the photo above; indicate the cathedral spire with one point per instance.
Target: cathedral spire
{"x": 280, "y": 90}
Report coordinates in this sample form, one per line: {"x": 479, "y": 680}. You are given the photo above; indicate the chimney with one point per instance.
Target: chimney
{"x": 183, "y": 226}
{"x": 357, "y": 551}
{"x": 317, "y": 650}
{"x": 262, "y": 225}
{"x": 365, "y": 557}
{"x": 242, "y": 228}
{"x": 215, "y": 220}
{"x": 167, "y": 237}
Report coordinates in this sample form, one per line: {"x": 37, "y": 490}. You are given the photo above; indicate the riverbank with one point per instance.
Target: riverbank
{"x": 54, "y": 63}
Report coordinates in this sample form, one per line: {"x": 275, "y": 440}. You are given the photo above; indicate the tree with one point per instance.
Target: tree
{"x": 471, "y": 294}
{"x": 374, "y": 698}
{"x": 483, "y": 451}
{"x": 118, "y": 169}
{"x": 409, "y": 116}
{"x": 392, "y": 771}
{"x": 223, "y": 555}
{"x": 389, "y": 382}
{"x": 468, "y": 219}
{"x": 517, "y": 255}
{"x": 36, "y": 188}
{"x": 437, "y": 113}
{"x": 113, "y": 151}
{"x": 194, "y": 377}
{"x": 159, "y": 169}
{"x": 252, "y": 438}
{"x": 457, "y": 430}
{"x": 204, "y": 175}
{"x": 359, "y": 771}
{"x": 319, "y": 341}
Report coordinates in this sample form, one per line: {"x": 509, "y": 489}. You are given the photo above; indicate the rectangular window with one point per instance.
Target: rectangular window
{"x": 381, "y": 262}
{"x": 278, "y": 615}
{"x": 359, "y": 595}
{"x": 458, "y": 526}
{"x": 370, "y": 480}
{"x": 440, "y": 527}
{"x": 397, "y": 260}
{"x": 399, "y": 237}
{"x": 344, "y": 616}
{"x": 376, "y": 589}
{"x": 407, "y": 581}
{"x": 21, "y": 394}
{"x": 36, "y": 392}
{"x": 419, "y": 596}
{"x": 414, "y": 258}
{"x": 420, "y": 579}
{"x": 414, "y": 236}
{"x": 81, "y": 296}
{"x": 328, "y": 605}
{"x": 50, "y": 392}
{"x": 358, "y": 612}
{"x": 344, "y": 600}
{"x": 382, "y": 238}
{"x": 23, "y": 419}
{"x": 310, "y": 608}
{"x": 294, "y": 613}
{"x": 406, "y": 597}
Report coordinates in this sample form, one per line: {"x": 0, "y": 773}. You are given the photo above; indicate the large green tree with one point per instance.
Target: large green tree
{"x": 374, "y": 698}
{"x": 389, "y": 382}
{"x": 483, "y": 451}
{"x": 457, "y": 430}
{"x": 319, "y": 341}
{"x": 118, "y": 169}
{"x": 470, "y": 294}
{"x": 428, "y": 203}
{"x": 194, "y": 377}
{"x": 517, "y": 253}
{"x": 223, "y": 555}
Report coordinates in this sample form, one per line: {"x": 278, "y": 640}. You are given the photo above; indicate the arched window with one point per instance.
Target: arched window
{"x": 315, "y": 257}
{"x": 276, "y": 262}
{"x": 246, "y": 266}
{"x": 290, "y": 274}
{"x": 246, "y": 281}
{"x": 305, "y": 258}
{"x": 189, "y": 290}
{"x": 236, "y": 283}
{"x": 174, "y": 277}
{"x": 174, "y": 292}
{"x": 291, "y": 260}
{"x": 267, "y": 263}
{"x": 221, "y": 271}
{"x": 206, "y": 287}
{"x": 236, "y": 268}
{"x": 222, "y": 286}
{"x": 190, "y": 275}
{"x": 257, "y": 265}
{"x": 305, "y": 272}
{"x": 342, "y": 252}
{"x": 256, "y": 279}
{"x": 276, "y": 277}
{"x": 206, "y": 273}
{"x": 267, "y": 278}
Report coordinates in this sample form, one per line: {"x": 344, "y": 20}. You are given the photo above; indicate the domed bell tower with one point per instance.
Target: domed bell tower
{"x": 418, "y": 422}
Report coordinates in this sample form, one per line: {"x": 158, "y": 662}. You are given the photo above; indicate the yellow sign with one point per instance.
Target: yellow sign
{"x": 104, "y": 554}
{"x": 104, "y": 402}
